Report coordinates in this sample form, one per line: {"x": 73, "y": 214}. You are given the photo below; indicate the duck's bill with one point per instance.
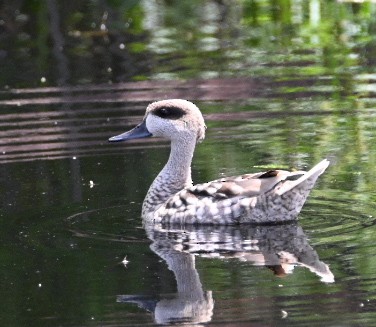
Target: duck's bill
{"x": 140, "y": 131}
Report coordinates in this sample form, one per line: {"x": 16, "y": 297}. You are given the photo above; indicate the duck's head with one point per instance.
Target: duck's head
{"x": 172, "y": 119}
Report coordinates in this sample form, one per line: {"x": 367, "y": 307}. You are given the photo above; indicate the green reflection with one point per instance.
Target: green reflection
{"x": 133, "y": 40}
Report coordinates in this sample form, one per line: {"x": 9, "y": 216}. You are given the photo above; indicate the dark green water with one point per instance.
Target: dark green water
{"x": 281, "y": 84}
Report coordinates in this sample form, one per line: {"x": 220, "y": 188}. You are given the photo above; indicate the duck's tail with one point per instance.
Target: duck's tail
{"x": 285, "y": 200}
{"x": 309, "y": 176}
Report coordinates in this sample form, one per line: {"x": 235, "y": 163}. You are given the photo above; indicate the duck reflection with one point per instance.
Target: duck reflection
{"x": 278, "y": 247}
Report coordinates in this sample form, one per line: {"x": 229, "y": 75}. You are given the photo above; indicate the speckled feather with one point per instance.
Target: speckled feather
{"x": 271, "y": 196}
{"x": 251, "y": 198}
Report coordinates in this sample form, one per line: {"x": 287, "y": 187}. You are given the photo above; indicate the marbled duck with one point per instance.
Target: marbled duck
{"x": 265, "y": 197}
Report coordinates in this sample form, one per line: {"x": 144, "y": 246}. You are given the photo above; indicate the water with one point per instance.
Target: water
{"x": 281, "y": 84}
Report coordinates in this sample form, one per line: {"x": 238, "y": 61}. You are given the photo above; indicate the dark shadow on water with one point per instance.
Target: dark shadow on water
{"x": 279, "y": 248}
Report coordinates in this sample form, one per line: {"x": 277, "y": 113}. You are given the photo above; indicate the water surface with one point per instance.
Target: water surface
{"x": 279, "y": 85}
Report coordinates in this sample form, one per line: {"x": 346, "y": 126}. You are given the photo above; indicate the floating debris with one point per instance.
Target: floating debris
{"x": 284, "y": 314}
{"x": 125, "y": 261}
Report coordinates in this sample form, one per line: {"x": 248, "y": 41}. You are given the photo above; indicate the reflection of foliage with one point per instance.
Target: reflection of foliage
{"x": 187, "y": 39}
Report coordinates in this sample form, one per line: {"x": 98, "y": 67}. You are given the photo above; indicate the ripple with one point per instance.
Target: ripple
{"x": 335, "y": 219}
{"x": 111, "y": 224}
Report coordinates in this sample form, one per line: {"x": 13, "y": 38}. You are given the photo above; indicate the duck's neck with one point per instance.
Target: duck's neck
{"x": 175, "y": 175}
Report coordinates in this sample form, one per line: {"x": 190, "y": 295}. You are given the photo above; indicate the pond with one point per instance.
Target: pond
{"x": 280, "y": 83}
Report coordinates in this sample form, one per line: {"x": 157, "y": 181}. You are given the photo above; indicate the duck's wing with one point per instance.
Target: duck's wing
{"x": 245, "y": 186}
{"x": 249, "y": 185}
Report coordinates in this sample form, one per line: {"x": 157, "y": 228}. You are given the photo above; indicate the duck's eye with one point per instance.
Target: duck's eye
{"x": 169, "y": 112}
{"x": 164, "y": 112}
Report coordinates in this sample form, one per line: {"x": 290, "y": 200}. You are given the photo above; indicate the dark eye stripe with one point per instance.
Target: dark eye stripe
{"x": 169, "y": 112}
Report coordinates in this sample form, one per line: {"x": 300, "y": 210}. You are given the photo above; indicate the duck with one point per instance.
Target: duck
{"x": 271, "y": 196}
